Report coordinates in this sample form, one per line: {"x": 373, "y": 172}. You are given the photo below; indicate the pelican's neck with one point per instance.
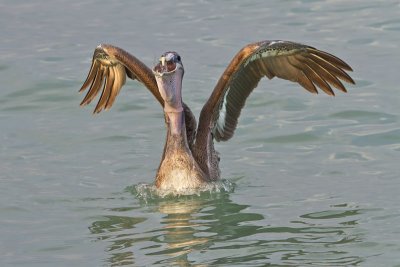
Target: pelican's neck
{"x": 176, "y": 141}
{"x": 176, "y": 121}
{"x": 170, "y": 87}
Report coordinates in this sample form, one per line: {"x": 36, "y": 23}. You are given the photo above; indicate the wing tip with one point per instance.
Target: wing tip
{"x": 351, "y": 81}
{"x": 95, "y": 112}
{"x": 83, "y": 103}
{"x": 82, "y": 89}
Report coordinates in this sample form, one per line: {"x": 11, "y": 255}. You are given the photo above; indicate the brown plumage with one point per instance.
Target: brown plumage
{"x": 306, "y": 65}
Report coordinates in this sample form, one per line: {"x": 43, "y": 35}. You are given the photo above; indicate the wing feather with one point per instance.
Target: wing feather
{"x": 331, "y": 58}
{"x": 105, "y": 95}
{"x": 108, "y": 71}
{"x": 325, "y": 74}
{"x": 92, "y": 74}
{"x": 306, "y": 65}
{"x": 314, "y": 75}
{"x": 304, "y": 81}
{"x": 334, "y": 70}
{"x": 94, "y": 87}
{"x": 110, "y": 66}
{"x": 120, "y": 78}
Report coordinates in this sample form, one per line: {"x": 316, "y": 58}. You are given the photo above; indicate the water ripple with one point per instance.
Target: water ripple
{"x": 361, "y": 116}
{"x": 214, "y": 230}
{"x": 149, "y": 192}
{"x": 385, "y": 138}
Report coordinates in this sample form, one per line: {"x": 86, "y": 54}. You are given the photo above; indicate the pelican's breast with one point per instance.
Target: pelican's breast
{"x": 179, "y": 172}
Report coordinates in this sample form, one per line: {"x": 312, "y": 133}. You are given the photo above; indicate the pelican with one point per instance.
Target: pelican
{"x": 189, "y": 160}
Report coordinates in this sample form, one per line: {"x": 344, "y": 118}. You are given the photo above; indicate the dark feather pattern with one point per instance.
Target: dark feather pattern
{"x": 306, "y": 65}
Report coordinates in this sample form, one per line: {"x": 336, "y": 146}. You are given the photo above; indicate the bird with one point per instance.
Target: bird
{"x": 189, "y": 160}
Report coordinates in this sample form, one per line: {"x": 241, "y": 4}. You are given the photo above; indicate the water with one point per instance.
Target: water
{"x": 316, "y": 177}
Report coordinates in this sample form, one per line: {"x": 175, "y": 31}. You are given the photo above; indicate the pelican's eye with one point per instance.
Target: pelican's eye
{"x": 178, "y": 58}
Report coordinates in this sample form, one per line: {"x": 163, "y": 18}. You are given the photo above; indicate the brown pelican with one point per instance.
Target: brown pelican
{"x": 189, "y": 160}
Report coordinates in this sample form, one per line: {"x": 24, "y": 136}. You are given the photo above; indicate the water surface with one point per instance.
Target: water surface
{"x": 316, "y": 177}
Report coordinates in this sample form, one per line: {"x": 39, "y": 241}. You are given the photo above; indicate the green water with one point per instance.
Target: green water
{"x": 316, "y": 178}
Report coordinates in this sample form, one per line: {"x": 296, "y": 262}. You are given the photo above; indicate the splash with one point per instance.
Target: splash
{"x": 147, "y": 192}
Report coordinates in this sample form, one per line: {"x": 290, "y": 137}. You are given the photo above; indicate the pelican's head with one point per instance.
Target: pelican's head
{"x": 169, "y": 74}
{"x": 170, "y": 62}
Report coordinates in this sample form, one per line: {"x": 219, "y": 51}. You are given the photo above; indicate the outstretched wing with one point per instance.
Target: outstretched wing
{"x": 306, "y": 65}
{"x": 110, "y": 66}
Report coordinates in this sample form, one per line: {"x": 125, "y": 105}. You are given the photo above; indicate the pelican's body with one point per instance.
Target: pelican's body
{"x": 189, "y": 160}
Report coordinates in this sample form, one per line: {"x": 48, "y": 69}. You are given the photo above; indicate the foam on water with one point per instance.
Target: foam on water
{"x": 148, "y": 192}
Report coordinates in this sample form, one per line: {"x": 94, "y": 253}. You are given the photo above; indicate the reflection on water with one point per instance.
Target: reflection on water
{"x": 214, "y": 230}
